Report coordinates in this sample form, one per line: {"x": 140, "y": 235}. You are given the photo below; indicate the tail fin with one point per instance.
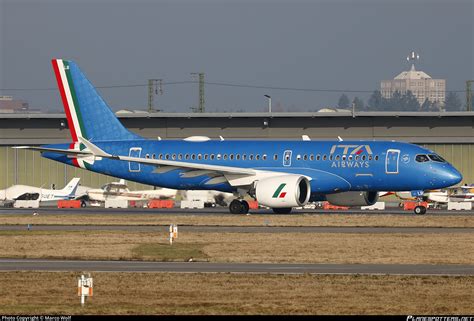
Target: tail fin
{"x": 71, "y": 187}
{"x": 87, "y": 113}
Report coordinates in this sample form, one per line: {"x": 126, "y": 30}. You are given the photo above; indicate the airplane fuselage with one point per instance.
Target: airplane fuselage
{"x": 331, "y": 166}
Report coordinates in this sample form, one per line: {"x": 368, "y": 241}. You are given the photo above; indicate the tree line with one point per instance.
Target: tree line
{"x": 400, "y": 102}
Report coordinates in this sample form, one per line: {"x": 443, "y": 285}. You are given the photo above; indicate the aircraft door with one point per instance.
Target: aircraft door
{"x": 134, "y": 166}
{"x": 287, "y": 158}
{"x": 391, "y": 161}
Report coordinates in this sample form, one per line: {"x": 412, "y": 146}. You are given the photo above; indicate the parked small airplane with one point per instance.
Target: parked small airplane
{"x": 280, "y": 174}
{"x": 120, "y": 191}
{"x": 449, "y": 194}
{"x": 24, "y": 192}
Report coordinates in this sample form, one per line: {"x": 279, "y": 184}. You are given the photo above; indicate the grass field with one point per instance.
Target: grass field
{"x": 201, "y": 293}
{"x": 430, "y": 248}
{"x": 243, "y": 220}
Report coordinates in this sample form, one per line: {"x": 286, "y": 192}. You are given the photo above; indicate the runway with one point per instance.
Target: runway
{"x": 216, "y": 211}
{"x": 240, "y": 229}
{"x": 202, "y": 267}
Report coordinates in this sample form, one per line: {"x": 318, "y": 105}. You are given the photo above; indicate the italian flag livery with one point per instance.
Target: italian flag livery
{"x": 69, "y": 98}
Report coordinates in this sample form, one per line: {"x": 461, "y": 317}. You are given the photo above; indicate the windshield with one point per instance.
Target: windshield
{"x": 421, "y": 158}
{"x": 436, "y": 158}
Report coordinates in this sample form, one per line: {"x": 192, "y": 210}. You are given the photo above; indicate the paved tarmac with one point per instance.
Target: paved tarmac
{"x": 240, "y": 229}
{"x": 216, "y": 211}
{"x": 204, "y": 267}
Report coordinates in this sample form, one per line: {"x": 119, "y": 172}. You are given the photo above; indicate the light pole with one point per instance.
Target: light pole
{"x": 269, "y": 103}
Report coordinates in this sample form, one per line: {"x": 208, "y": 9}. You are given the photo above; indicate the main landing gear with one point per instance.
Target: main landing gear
{"x": 239, "y": 207}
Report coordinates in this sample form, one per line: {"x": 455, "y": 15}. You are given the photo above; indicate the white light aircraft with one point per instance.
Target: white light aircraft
{"x": 25, "y": 192}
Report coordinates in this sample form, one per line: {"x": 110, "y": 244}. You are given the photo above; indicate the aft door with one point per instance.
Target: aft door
{"x": 391, "y": 161}
{"x": 134, "y": 152}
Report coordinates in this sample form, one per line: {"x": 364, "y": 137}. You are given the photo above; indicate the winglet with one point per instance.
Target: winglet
{"x": 96, "y": 151}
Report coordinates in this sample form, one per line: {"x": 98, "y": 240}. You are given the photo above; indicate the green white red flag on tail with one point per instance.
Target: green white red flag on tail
{"x": 71, "y": 106}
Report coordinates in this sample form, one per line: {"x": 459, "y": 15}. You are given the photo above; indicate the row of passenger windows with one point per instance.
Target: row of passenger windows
{"x": 305, "y": 157}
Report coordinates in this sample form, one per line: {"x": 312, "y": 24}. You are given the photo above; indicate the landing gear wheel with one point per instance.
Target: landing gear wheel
{"x": 281, "y": 210}
{"x": 419, "y": 210}
{"x": 245, "y": 207}
{"x": 235, "y": 207}
{"x": 83, "y": 204}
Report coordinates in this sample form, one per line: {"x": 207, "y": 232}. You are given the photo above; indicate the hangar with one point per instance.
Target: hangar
{"x": 449, "y": 134}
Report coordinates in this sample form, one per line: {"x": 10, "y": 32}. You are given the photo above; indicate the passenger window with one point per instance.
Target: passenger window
{"x": 219, "y": 156}
{"x": 363, "y": 157}
{"x": 298, "y": 157}
{"x": 338, "y": 157}
{"x": 250, "y": 157}
{"x": 244, "y": 157}
{"x": 318, "y": 157}
{"x": 199, "y": 156}
{"x": 224, "y": 157}
{"x": 193, "y": 156}
{"x": 187, "y": 156}
{"x": 173, "y": 157}
{"x": 350, "y": 157}
{"x": 205, "y": 156}
{"x": 264, "y": 157}
{"x": 311, "y": 157}
{"x": 212, "y": 156}
{"x": 275, "y": 157}
{"x": 237, "y": 156}
{"x": 305, "y": 157}
{"x": 370, "y": 157}
{"x": 357, "y": 157}
{"x": 376, "y": 157}
{"x": 160, "y": 156}
{"x": 167, "y": 156}
{"x": 330, "y": 157}
{"x": 147, "y": 156}
{"x": 257, "y": 157}
{"x": 153, "y": 156}
{"x": 231, "y": 156}
{"x": 421, "y": 158}
{"x": 324, "y": 157}
{"x": 180, "y": 156}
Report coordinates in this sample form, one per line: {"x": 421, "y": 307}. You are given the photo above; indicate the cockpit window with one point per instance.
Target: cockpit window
{"x": 422, "y": 158}
{"x": 436, "y": 158}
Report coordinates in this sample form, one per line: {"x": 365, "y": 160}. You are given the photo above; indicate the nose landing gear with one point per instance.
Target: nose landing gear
{"x": 239, "y": 207}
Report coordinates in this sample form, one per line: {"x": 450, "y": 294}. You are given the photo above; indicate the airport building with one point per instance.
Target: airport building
{"x": 449, "y": 134}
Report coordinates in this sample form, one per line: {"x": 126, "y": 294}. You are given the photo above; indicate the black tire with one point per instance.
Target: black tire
{"x": 83, "y": 204}
{"x": 235, "y": 207}
{"x": 282, "y": 210}
{"x": 245, "y": 207}
{"x": 419, "y": 210}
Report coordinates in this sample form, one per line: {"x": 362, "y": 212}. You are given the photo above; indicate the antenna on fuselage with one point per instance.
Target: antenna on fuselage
{"x": 222, "y": 138}
{"x": 339, "y": 138}
{"x": 159, "y": 138}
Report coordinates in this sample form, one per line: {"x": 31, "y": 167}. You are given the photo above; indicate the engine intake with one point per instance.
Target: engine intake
{"x": 283, "y": 191}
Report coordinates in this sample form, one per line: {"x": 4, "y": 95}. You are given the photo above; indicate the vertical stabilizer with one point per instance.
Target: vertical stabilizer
{"x": 87, "y": 113}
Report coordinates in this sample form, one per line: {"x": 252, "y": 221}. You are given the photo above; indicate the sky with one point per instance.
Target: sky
{"x": 345, "y": 45}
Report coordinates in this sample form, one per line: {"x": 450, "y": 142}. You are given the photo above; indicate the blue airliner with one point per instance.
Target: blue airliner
{"x": 278, "y": 174}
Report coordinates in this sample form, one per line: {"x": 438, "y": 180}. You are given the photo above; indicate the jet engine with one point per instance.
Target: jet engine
{"x": 283, "y": 191}
{"x": 353, "y": 198}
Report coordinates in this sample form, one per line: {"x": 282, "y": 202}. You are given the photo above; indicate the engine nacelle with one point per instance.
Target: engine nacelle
{"x": 283, "y": 191}
{"x": 353, "y": 198}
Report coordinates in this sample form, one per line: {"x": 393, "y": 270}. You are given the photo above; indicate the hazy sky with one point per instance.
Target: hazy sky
{"x": 300, "y": 44}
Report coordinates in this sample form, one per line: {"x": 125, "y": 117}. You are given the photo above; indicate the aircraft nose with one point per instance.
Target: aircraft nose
{"x": 452, "y": 176}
